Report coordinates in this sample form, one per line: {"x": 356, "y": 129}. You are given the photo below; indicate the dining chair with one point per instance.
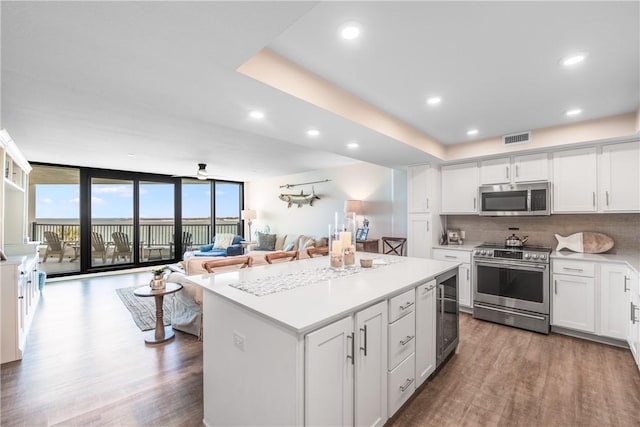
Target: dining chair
{"x": 282, "y": 256}
{"x": 394, "y": 245}
{"x": 122, "y": 246}
{"x": 226, "y": 263}
{"x": 55, "y": 246}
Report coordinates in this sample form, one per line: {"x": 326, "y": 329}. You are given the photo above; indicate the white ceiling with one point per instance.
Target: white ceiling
{"x": 86, "y": 83}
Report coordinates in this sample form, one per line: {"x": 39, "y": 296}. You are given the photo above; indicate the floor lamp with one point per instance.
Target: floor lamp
{"x": 248, "y": 215}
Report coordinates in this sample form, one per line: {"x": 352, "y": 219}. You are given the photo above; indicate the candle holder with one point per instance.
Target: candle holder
{"x": 348, "y": 237}
{"x": 336, "y": 253}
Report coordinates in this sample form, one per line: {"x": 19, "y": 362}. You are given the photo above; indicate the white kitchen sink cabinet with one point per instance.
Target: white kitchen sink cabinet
{"x": 633, "y": 319}
{"x": 420, "y": 235}
{"x": 459, "y": 189}
{"x": 516, "y": 169}
{"x": 425, "y": 331}
{"x": 343, "y": 362}
{"x": 573, "y": 296}
{"x": 574, "y": 181}
{"x": 619, "y": 176}
{"x": 614, "y": 297}
{"x": 423, "y": 182}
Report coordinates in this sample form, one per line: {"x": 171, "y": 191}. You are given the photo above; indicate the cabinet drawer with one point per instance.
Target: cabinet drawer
{"x": 574, "y": 268}
{"x": 452, "y": 255}
{"x": 402, "y": 305}
{"x": 402, "y": 384}
{"x": 402, "y": 339}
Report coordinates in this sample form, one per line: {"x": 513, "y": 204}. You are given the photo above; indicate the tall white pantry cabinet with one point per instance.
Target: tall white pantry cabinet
{"x": 19, "y": 294}
{"x": 423, "y": 210}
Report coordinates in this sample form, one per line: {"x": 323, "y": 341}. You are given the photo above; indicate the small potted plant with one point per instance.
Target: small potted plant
{"x": 158, "y": 281}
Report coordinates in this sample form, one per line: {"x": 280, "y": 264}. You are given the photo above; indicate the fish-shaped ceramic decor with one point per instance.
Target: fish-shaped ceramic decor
{"x": 299, "y": 199}
{"x": 586, "y": 242}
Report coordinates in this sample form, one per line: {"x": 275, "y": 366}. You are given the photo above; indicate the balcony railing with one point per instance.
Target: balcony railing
{"x": 151, "y": 233}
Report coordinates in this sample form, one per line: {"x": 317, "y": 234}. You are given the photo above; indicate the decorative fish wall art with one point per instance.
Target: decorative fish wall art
{"x": 586, "y": 242}
{"x": 299, "y": 199}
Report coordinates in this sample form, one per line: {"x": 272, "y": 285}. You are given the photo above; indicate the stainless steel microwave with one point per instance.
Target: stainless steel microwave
{"x": 515, "y": 199}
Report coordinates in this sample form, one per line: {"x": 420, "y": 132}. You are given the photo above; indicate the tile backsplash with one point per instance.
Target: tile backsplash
{"x": 624, "y": 229}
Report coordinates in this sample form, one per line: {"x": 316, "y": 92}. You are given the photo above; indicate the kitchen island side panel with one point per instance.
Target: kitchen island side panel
{"x": 252, "y": 368}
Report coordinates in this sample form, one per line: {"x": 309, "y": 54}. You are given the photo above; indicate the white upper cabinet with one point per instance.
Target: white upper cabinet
{"x": 511, "y": 170}
{"x": 495, "y": 171}
{"x": 574, "y": 180}
{"x": 619, "y": 176}
{"x": 422, "y": 189}
{"x": 460, "y": 188}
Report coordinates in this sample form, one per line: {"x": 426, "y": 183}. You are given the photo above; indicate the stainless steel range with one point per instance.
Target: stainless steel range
{"x": 511, "y": 285}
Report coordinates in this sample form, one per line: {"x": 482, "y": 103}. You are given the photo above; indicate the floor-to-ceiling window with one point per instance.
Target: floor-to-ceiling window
{"x": 109, "y": 220}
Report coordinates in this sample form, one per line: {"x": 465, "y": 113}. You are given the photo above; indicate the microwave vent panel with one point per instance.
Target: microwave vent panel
{"x": 517, "y": 138}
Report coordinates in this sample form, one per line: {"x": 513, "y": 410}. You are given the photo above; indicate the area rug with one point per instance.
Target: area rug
{"x": 143, "y": 309}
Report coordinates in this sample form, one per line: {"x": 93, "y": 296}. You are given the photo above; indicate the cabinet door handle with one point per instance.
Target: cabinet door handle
{"x": 594, "y": 199}
{"x": 407, "y": 340}
{"x": 427, "y": 226}
{"x": 516, "y": 171}
{"x": 406, "y": 384}
{"x": 351, "y": 336}
{"x": 507, "y": 167}
{"x": 467, "y": 274}
{"x": 572, "y": 269}
{"x": 474, "y": 203}
{"x": 633, "y": 313}
{"x": 451, "y": 256}
{"x": 427, "y": 203}
{"x": 606, "y": 193}
{"x": 365, "y": 340}
{"x": 555, "y": 287}
{"x": 407, "y": 305}
{"x": 626, "y": 279}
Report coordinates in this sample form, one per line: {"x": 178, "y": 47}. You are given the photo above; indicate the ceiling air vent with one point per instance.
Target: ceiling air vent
{"x": 517, "y": 138}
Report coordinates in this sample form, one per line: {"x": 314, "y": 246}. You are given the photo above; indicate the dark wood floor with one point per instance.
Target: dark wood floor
{"x": 87, "y": 364}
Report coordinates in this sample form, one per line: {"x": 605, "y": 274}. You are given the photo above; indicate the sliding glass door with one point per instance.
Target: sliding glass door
{"x": 157, "y": 221}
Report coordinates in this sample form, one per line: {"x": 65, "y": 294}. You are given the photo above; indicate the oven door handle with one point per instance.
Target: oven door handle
{"x": 486, "y": 307}
{"x": 512, "y": 265}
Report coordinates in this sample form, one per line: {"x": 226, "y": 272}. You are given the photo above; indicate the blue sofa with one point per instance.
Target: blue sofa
{"x": 207, "y": 250}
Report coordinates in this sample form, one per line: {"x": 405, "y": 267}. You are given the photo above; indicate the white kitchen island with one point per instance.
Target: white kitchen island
{"x": 317, "y": 354}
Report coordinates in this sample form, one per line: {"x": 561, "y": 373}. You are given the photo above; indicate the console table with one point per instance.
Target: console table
{"x": 368, "y": 245}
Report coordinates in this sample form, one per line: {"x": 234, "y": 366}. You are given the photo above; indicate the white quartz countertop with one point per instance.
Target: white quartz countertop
{"x": 632, "y": 259}
{"x": 466, "y": 246}
{"x": 306, "y": 308}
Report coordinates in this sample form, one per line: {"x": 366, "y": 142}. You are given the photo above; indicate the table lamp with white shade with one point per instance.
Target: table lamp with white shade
{"x": 249, "y": 215}
{"x": 355, "y": 206}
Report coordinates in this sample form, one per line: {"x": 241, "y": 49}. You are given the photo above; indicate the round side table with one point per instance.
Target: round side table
{"x": 161, "y": 333}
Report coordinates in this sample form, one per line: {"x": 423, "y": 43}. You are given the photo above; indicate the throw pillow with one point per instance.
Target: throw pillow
{"x": 223, "y": 241}
{"x": 289, "y": 247}
{"x": 266, "y": 242}
{"x": 206, "y": 248}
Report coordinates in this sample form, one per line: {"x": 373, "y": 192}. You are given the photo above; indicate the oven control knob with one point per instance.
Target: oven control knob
{"x": 535, "y": 256}
{"x": 483, "y": 252}
{"x": 476, "y": 252}
{"x": 527, "y": 256}
{"x": 543, "y": 256}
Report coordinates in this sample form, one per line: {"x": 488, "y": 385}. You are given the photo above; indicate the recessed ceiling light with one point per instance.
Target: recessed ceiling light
{"x": 573, "y": 59}
{"x": 313, "y": 132}
{"x": 353, "y": 145}
{"x": 131, "y": 155}
{"x": 472, "y": 132}
{"x": 573, "y": 112}
{"x": 255, "y": 114}
{"x": 434, "y": 100}
{"x": 350, "y": 30}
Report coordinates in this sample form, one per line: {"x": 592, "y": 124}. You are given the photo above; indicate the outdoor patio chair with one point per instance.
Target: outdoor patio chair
{"x": 122, "y": 246}
{"x": 281, "y": 256}
{"x": 55, "y": 246}
{"x": 98, "y": 247}
{"x": 242, "y": 261}
{"x": 187, "y": 243}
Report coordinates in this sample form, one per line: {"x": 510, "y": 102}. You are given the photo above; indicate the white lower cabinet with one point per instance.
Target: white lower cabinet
{"x": 633, "y": 319}
{"x": 345, "y": 362}
{"x": 425, "y": 331}
{"x": 614, "y": 297}
{"x": 573, "y": 300}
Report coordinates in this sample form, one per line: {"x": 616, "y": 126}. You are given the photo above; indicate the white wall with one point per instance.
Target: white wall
{"x": 382, "y": 190}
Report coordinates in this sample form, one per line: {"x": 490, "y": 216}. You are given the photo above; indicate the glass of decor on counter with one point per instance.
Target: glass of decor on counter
{"x": 348, "y": 237}
{"x": 336, "y": 253}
